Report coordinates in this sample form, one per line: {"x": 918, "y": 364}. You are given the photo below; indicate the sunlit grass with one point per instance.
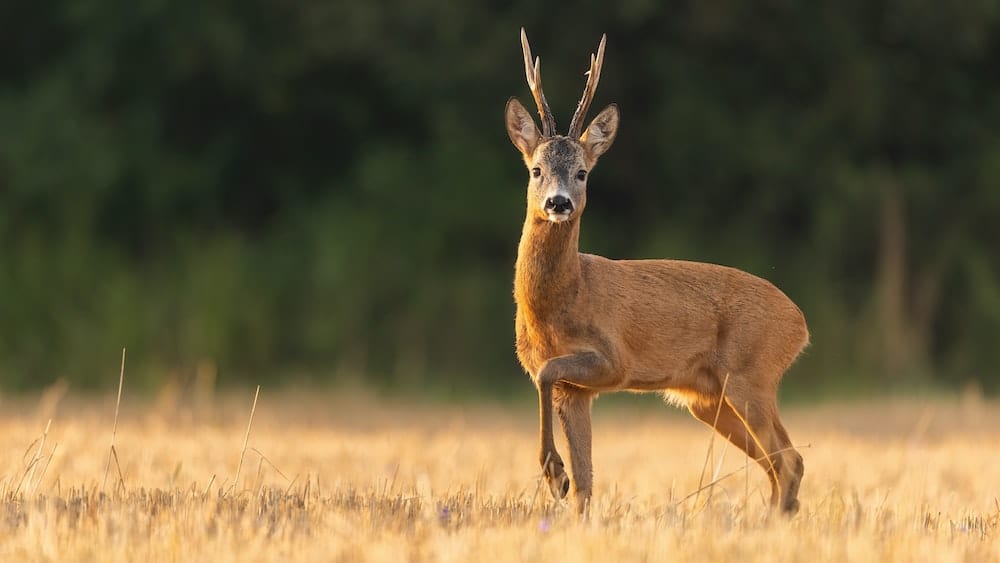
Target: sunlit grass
{"x": 350, "y": 477}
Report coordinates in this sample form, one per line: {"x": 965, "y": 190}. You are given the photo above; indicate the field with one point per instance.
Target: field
{"x": 352, "y": 477}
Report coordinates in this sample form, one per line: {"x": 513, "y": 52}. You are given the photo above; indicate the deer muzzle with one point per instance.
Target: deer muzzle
{"x": 558, "y": 208}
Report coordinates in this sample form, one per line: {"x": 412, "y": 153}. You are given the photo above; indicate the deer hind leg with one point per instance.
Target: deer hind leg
{"x": 792, "y": 461}
{"x": 573, "y": 407}
{"x": 758, "y": 412}
{"x": 754, "y": 428}
{"x": 730, "y": 426}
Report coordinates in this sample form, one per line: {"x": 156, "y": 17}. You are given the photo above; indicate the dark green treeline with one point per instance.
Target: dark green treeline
{"x": 325, "y": 189}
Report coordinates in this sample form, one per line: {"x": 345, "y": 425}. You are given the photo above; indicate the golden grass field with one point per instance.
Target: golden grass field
{"x": 348, "y": 476}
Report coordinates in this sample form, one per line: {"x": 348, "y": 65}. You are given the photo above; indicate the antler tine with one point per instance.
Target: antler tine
{"x": 533, "y": 72}
{"x": 593, "y": 76}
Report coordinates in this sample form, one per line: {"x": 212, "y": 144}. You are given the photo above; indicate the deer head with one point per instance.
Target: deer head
{"x": 559, "y": 164}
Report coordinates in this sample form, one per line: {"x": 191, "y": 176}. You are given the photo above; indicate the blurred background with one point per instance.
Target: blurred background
{"x": 279, "y": 192}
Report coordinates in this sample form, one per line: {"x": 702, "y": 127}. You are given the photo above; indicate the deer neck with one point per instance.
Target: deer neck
{"x": 547, "y": 274}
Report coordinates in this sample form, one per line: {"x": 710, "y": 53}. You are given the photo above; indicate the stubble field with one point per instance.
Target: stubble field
{"x": 351, "y": 477}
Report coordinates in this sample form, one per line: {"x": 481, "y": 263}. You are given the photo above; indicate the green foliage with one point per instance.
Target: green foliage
{"x": 327, "y": 188}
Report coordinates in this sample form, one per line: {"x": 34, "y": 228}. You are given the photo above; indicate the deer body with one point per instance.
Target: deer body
{"x": 714, "y": 339}
{"x": 667, "y": 325}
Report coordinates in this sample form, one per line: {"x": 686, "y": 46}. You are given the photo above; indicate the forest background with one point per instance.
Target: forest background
{"x": 324, "y": 192}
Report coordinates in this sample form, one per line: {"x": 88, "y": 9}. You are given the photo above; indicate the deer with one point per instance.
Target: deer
{"x": 711, "y": 338}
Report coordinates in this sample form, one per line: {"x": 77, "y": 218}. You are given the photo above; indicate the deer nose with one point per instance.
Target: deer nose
{"x": 558, "y": 204}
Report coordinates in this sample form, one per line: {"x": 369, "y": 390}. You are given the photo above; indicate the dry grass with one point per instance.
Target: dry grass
{"x": 352, "y": 478}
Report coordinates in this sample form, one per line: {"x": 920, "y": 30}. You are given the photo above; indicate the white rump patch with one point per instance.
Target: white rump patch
{"x": 678, "y": 398}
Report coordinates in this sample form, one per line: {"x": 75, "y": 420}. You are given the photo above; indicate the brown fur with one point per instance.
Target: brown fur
{"x": 586, "y": 325}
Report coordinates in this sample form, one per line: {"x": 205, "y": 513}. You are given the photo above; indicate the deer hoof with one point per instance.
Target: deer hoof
{"x": 558, "y": 481}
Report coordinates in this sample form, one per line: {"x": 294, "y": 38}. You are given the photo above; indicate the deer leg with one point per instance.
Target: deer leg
{"x": 792, "y": 462}
{"x": 552, "y": 464}
{"x": 573, "y": 406}
{"x": 585, "y": 369}
{"x": 725, "y": 421}
{"x": 782, "y": 462}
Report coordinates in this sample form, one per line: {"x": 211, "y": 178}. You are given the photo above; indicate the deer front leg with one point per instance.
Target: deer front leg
{"x": 573, "y": 406}
{"x": 552, "y": 464}
{"x": 584, "y": 369}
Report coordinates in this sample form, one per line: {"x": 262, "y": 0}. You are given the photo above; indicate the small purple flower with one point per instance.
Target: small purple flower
{"x": 544, "y": 525}
{"x": 444, "y": 515}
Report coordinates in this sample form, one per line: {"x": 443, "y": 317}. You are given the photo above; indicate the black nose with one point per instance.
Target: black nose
{"x": 559, "y": 204}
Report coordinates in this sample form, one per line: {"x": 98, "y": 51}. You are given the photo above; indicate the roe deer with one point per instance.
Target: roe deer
{"x": 714, "y": 339}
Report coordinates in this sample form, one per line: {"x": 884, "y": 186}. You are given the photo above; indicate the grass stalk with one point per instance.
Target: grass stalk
{"x": 114, "y": 428}
{"x": 246, "y": 440}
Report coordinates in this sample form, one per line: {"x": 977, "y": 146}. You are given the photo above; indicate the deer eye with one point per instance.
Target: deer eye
{"x": 581, "y": 175}
{"x": 536, "y": 172}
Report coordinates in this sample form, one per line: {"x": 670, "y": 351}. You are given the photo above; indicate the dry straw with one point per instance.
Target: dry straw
{"x": 246, "y": 440}
{"x": 114, "y": 430}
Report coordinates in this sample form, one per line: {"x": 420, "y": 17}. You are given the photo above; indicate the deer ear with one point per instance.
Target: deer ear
{"x": 521, "y": 128}
{"x": 601, "y": 132}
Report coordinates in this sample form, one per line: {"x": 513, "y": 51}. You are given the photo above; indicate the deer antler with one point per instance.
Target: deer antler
{"x": 593, "y": 76}
{"x": 534, "y": 74}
